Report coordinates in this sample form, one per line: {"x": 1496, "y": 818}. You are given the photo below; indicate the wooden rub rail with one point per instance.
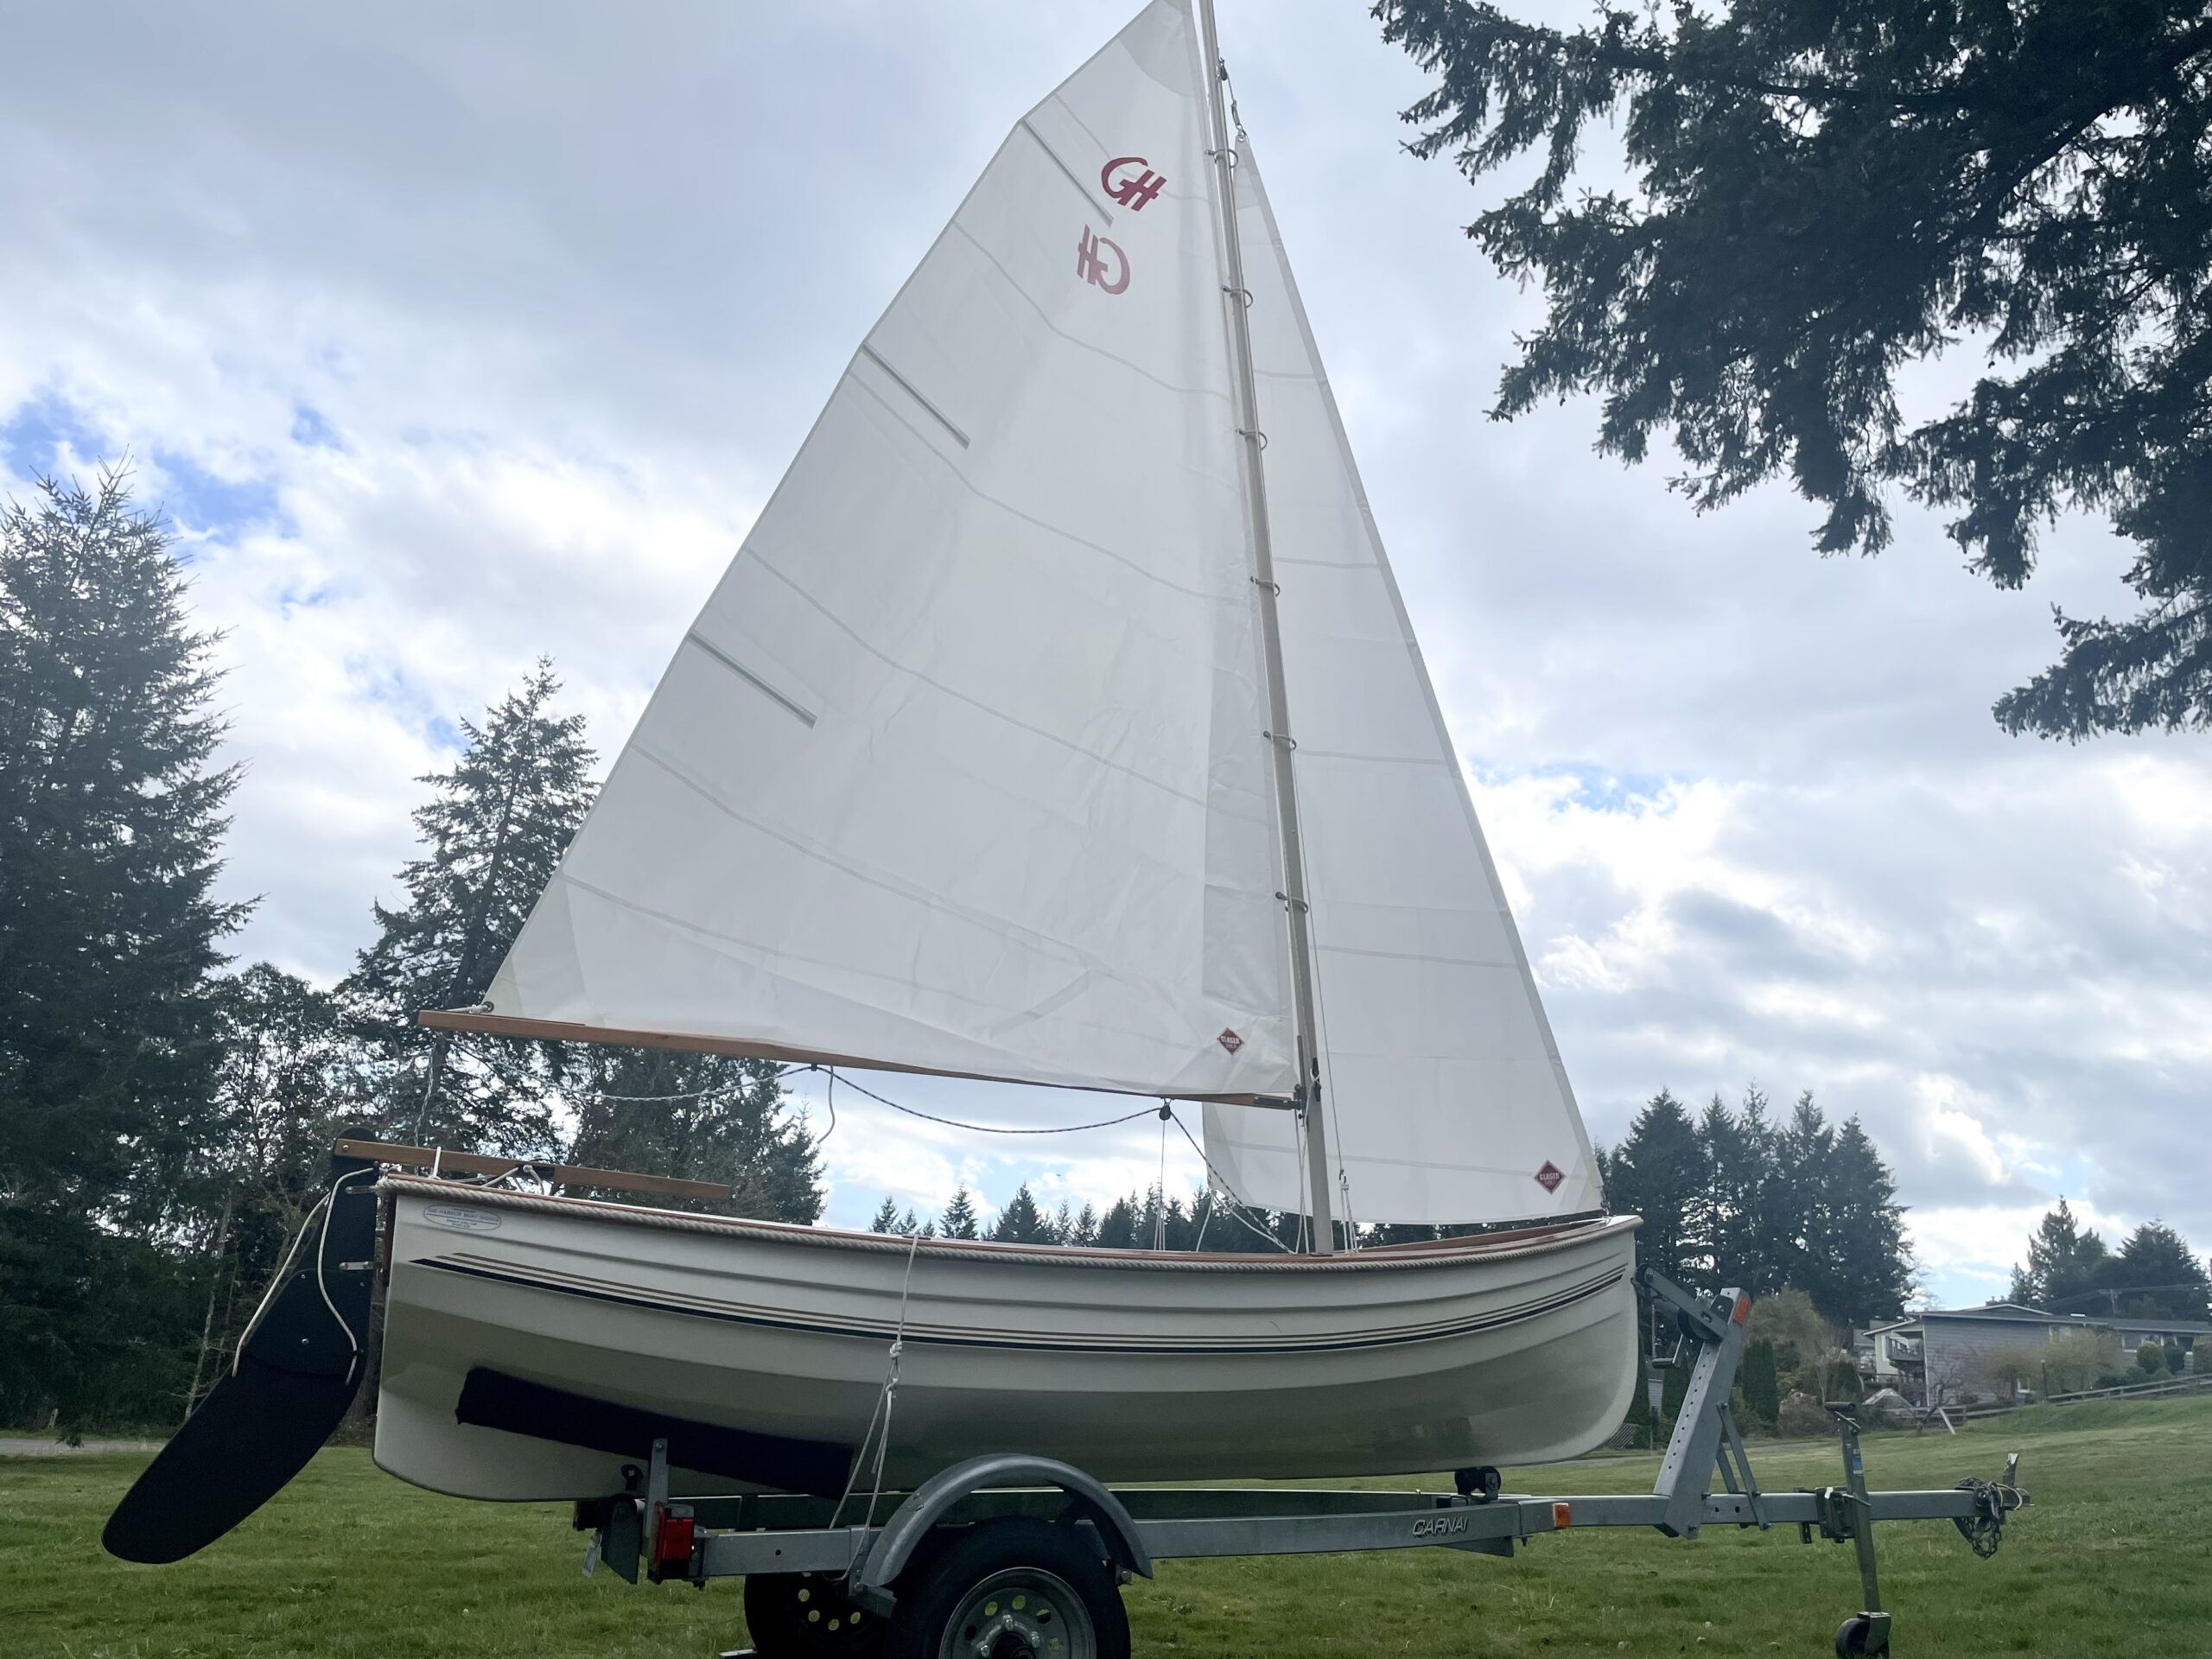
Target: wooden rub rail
{"x": 473, "y": 1163}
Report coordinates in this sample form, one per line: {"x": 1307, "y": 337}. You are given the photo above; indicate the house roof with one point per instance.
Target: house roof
{"x": 2017, "y": 1313}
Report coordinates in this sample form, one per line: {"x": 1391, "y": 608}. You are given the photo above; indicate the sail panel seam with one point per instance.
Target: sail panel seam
{"x": 907, "y": 386}
{"x": 1081, "y": 189}
{"x": 977, "y": 703}
{"x": 1138, "y": 369}
{"x": 746, "y": 674}
{"x": 1007, "y": 507}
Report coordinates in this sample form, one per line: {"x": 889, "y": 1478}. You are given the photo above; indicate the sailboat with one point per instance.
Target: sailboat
{"x": 1058, "y": 722}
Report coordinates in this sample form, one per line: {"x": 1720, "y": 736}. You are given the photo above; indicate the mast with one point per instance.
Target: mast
{"x": 1237, "y": 297}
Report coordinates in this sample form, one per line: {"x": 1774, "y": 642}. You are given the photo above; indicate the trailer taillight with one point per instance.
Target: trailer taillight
{"x": 673, "y": 1536}
{"x": 1562, "y": 1516}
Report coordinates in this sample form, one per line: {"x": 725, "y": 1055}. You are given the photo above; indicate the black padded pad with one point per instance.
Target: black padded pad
{"x": 492, "y": 1399}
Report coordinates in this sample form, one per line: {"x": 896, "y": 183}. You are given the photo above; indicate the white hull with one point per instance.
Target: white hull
{"x": 1134, "y": 1367}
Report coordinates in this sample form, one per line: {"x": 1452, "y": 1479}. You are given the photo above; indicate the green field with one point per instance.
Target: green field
{"x": 2114, "y": 1558}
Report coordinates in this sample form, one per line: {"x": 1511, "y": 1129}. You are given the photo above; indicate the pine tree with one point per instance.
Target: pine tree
{"x": 1063, "y": 1225}
{"x": 1797, "y": 1202}
{"x": 1657, "y": 1174}
{"x": 494, "y": 828}
{"x": 887, "y": 1216}
{"x": 959, "y": 1220}
{"x": 704, "y": 1118}
{"x": 1804, "y": 202}
{"x": 1021, "y": 1222}
{"x": 2156, "y": 1276}
{"x": 110, "y": 814}
{"x": 1867, "y": 1275}
{"x": 1724, "y": 1214}
{"x": 1085, "y": 1230}
{"x": 2064, "y": 1262}
{"x": 1117, "y": 1228}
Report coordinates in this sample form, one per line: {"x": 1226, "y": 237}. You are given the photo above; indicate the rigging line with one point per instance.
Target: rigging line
{"x": 1000, "y": 1128}
{"x": 885, "y": 1400}
{"x": 1236, "y": 1209}
{"x": 1160, "y": 1192}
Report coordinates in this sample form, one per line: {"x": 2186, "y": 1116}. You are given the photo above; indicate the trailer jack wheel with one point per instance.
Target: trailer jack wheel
{"x": 806, "y": 1616}
{"x": 1863, "y": 1633}
{"x": 1011, "y": 1589}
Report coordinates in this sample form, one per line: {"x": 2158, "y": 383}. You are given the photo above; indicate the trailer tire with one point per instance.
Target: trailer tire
{"x": 1853, "y": 1635}
{"x": 1044, "y": 1587}
{"x": 806, "y": 1616}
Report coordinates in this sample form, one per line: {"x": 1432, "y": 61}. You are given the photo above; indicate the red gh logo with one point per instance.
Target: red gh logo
{"x": 1132, "y": 193}
{"x": 1091, "y": 267}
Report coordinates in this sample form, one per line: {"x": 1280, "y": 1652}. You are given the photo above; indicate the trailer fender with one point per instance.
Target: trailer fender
{"x": 942, "y": 1492}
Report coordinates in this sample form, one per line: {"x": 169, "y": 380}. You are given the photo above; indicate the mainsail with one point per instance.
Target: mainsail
{"x": 965, "y": 765}
{"x": 962, "y": 767}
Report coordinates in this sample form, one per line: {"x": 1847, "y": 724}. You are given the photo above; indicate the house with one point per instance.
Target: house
{"x": 1955, "y": 1354}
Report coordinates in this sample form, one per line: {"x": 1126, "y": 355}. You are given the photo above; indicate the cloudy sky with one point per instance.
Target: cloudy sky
{"x": 449, "y": 336}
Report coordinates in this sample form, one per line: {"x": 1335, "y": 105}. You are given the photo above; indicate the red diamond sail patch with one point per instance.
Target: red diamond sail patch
{"x": 1550, "y": 1176}
{"x": 1230, "y": 1040}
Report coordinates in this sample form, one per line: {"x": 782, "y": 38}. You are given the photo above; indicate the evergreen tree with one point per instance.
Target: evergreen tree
{"x": 1063, "y": 1225}
{"x": 959, "y": 1220}
{"x": 1762, "y": 1382}
{"x": 1657, "y": 1173}
{"x": 1085, "y": 1229}
{"x": 1021, "y": 1222}
{"x": 1726, "y": 1214}
{"x": 2062, "y": 1263}
{"x": 1117, "y": 1228}
{"x": 494, "y": 828}
{"x": 111, "y": 812}
{"x": 288, "y": 1082}
{"x": 704, "y": 1118}
{"x": 1822, "y": 196}
{"x": 887, "y": 1216}
{"x": 2156, "y": 1276}
{"x": 1798, "y": 1199}
{"x": 1868, "y": 1276}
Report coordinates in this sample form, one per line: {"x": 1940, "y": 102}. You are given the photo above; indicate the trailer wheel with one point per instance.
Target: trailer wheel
{"x": 1016, "y": 1588}
{"x": 806, "y": 1616}
{"x": 1853, "y": 1635}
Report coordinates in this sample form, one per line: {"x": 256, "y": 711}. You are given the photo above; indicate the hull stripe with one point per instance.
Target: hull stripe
{"x": 1072, "y": 1342}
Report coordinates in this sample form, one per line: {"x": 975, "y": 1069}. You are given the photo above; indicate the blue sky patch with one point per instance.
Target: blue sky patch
{"x": 207, "y": 505}
{"x": 312, "y": 429}
{"x": 32, "y": 439}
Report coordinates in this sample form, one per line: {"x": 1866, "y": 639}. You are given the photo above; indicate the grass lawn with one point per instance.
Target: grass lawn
{"x": 2114, "y": 1557}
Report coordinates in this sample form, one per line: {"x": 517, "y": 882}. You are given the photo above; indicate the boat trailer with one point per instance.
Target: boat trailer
{"x": 1009, "y": 1556}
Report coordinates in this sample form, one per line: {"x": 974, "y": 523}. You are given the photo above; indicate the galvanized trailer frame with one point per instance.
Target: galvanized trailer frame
{"x": 875, "y": 1563}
